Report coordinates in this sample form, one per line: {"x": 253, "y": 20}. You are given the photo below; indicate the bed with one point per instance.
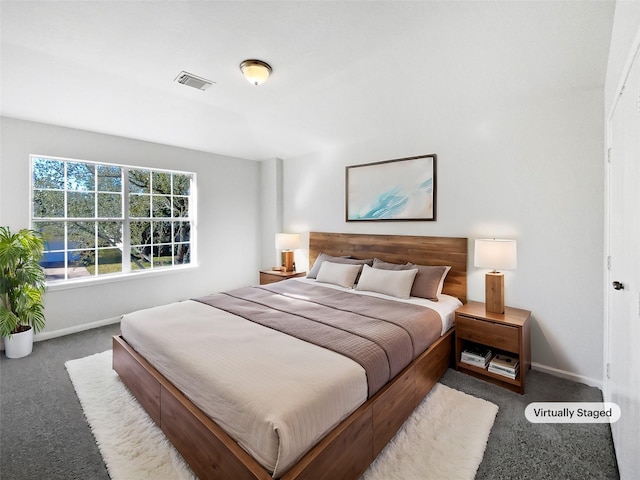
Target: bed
{"x": 354, "y": 438}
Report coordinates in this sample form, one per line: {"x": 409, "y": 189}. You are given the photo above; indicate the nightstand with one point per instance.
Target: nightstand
{"x": 507, "y": 333}
{"x": 272, "y": 276}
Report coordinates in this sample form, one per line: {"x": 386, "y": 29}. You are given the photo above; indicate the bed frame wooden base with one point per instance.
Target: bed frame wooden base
{"x": 346, "y": 451}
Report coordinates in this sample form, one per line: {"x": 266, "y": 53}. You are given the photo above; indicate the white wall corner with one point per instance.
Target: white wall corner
{"x": 556, "y": 372}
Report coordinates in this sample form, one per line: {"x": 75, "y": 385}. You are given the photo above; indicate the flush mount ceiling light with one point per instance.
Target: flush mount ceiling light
{"x": 255, "y": 71}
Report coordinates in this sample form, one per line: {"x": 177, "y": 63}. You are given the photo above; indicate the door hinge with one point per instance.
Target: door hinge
{"x": 609, "y": 263}
{"x": 609, "y": 155}
{"x": 608, "y": 370}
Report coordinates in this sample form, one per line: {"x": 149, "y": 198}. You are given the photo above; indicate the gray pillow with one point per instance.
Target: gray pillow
{"x": 323, "y": 257}
{"x": 377, "y": 263}
{"x": 429, "y": 281}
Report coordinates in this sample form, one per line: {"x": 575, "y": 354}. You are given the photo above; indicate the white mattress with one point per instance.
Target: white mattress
{"x": 445, "y": 306}
{"x": 274, "y": 394}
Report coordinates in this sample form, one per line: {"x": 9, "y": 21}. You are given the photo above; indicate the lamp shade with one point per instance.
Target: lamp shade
{"x": 497, "y": 254}
{"x": 255, "y": 71}
{"x": 287, "y": 241}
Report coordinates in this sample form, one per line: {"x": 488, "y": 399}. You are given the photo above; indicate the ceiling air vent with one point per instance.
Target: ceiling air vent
{"x": 194, "y": 81}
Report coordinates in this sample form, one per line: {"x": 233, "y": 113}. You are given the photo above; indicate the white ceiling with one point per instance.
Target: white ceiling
{"x": 342, "y": 71}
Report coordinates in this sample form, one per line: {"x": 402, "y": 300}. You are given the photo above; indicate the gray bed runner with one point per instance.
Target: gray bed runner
{"x": 383, "y": 336}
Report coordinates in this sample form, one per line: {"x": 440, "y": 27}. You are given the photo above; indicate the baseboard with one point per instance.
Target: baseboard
{"x": 110, "y": 321}
{"x": 567, "y": 375}
{"x": 38, "y": 337}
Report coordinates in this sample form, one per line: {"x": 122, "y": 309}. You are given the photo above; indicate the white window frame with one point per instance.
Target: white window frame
{"x": 126, "y": 272}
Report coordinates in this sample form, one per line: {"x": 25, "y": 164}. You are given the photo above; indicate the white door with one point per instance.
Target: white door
{"x": 622, "y": 300}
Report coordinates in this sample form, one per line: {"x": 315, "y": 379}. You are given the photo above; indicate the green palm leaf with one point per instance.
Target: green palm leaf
{"x": 22, "y": 281}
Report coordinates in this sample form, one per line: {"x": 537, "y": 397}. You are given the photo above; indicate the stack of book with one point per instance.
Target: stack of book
{"x": 504, "y": 365}
{"x": 477, "y": 356}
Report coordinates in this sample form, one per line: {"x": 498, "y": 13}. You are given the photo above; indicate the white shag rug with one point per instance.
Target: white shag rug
{"x": 445, "y": 437}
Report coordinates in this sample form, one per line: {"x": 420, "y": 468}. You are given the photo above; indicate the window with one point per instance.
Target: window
{"x": 101, "y": 219}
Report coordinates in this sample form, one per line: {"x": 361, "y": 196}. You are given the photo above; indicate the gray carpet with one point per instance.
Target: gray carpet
{"x": 44, "y": 434}
{"x": 518, "y": 449}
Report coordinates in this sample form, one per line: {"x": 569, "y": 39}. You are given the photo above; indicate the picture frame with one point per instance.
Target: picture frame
{"x": 403, "y": 189}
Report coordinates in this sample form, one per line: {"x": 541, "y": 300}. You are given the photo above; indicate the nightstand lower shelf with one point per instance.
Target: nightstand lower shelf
{"x": 484, "y": 374}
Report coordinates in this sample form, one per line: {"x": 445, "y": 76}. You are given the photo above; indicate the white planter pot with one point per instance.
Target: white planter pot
{"x": 19, "y": 344}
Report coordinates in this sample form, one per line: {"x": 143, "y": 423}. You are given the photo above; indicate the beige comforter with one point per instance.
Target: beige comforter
{"x": 382, "y": 335}
{"x": 275, "y": 394}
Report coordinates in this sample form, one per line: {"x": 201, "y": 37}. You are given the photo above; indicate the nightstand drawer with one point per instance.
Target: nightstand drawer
{"x": 488, "y": 333}
{"x": 272, "y": 276}
{"x": 265, "y": 278}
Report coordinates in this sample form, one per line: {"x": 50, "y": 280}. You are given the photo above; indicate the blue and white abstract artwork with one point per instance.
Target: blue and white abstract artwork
{"x": 401, "y": 189}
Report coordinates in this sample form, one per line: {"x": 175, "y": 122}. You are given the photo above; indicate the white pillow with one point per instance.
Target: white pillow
{"x": 396, "y": 283}
{"x": 341, "y": 274}
{"x": 444, "y": 275}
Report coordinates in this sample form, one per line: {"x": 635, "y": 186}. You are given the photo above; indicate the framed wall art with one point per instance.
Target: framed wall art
{"x": 393, "y": 190}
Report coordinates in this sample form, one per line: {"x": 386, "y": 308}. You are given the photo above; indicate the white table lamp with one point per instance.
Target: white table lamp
{"x": 287, "y": 243}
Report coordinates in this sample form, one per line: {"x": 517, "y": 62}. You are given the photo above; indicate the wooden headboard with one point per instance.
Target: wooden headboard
{"x": 420, "y": 250}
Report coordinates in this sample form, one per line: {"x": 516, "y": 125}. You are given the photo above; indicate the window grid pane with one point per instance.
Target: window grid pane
{"x": 79, "y": 209}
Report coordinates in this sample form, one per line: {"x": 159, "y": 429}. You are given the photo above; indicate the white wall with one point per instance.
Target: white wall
{"x": 270, "y": 211}
{"x": 529, "y": 169}
{"x": 227, "y": 227}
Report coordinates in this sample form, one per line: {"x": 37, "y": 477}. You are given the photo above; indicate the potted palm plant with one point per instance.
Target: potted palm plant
{"x": 22, "y": 283}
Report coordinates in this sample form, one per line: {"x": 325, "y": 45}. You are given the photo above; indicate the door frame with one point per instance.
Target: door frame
{"x": 634, "y": 55}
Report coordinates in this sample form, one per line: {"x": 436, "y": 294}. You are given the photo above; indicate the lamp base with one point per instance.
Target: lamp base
{"x": 287, "y": 260}
{"x": 494, "y": 292}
